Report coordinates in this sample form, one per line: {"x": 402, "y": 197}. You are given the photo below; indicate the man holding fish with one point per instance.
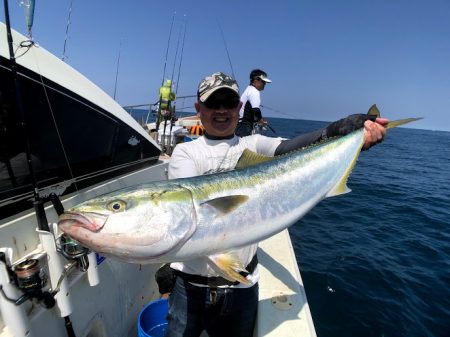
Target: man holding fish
{"x": 204, "y": 298}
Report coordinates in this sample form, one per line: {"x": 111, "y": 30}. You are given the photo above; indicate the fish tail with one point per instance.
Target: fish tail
{"x": 394, "y": 124}
{"x": 373, "y": 111}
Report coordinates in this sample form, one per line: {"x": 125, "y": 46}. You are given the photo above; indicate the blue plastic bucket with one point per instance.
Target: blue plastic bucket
{"x": 152, "y": 319}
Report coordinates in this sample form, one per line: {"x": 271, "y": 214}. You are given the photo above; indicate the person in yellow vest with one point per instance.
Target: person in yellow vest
{"x": 166, "y": 97}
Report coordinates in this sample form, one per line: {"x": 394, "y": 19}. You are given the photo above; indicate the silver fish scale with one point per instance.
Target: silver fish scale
{"x": 183, "y": 223}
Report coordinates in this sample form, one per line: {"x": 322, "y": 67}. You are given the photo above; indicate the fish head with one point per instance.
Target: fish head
{"x": 134, "y": 224}
{"x": 112, "y": 213}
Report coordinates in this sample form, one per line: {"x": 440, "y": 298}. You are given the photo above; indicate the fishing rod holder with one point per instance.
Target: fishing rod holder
{"x": 68, "y": 247}
{"x": 73, "y": 251}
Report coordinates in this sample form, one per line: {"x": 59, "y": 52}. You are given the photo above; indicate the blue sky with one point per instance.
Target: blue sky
{"x": 327, "y": 59}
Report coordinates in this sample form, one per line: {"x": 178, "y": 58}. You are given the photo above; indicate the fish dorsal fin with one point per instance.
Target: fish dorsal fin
{"x": 374, "y": 111}
{"x": 226, "y": 204}
{"x": 250, "y": 158}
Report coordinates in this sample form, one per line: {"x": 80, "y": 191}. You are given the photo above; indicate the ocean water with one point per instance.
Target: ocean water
{"x": 376, "y": 261}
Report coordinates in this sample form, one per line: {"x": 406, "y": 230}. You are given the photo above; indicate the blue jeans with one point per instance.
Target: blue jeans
{"x": 193, "y": 309}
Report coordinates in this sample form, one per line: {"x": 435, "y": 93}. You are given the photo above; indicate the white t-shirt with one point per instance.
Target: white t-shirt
{"x": 252, "y": 96}
{"x": 206, "y": 156}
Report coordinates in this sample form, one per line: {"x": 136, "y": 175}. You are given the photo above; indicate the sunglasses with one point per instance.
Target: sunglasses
{"x": 228, "y": 102}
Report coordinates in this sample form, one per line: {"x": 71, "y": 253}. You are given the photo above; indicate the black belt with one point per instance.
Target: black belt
{"x": 217, "y": 281}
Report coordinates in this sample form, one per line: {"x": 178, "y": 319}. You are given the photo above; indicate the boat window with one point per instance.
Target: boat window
{"x": 69, "y": 139}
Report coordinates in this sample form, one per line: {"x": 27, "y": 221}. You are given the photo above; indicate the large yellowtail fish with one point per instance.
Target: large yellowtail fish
{"x": 209, "y": 215}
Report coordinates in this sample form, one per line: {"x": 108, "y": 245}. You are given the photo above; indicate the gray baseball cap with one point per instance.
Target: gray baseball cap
{"x": 216, "y": 81}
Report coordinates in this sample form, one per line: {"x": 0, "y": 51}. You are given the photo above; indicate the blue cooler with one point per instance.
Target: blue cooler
{"x": 152, "y": 319}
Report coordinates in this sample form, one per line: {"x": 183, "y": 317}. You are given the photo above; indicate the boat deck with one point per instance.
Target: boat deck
{"x": 283, "y": 308}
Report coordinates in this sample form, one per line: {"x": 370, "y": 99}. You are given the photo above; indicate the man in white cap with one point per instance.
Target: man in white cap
{"x": 201, "y": 298}
{"x": 250, "y": 113}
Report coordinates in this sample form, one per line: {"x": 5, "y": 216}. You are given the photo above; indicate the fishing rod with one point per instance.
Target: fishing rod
{"x": 183, "y": 27}
{"x": 169, "y": 107}
{"x": 271, "y": 129}
{"x": 37, "y": 201}
{"x": 181, "y": 55}
{"x": 29, "y": 15}
{"x": 67, "y": 32}
{"x": 164, "y": 71}
{"x": 179, "y": 66}
{"x": 117, "y": 69}
{"x": 45, "y": 298}
{"x": 231, "y": 64}
{"x": 226, "y": 48}
{"x": 168, "y": 45}
{"x": 176, "y": 54}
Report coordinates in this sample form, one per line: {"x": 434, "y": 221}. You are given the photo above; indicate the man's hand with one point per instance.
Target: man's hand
{"x": 262, "y": 122}
{"x": 374, "y": 132}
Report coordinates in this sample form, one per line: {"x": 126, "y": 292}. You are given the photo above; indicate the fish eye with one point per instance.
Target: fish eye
{"x": 117, "y": 206}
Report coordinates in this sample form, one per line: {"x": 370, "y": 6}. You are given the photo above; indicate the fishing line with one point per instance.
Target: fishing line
{"x": 281, "y": 112}
{"x": 66, "y": 158}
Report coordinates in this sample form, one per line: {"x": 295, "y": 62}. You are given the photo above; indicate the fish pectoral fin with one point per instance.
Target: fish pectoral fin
{"x": 226, "y": 204}
{"x": 250, "y": 158}
{"x": 340, "y": 188}
{"x": 229, "y": 267}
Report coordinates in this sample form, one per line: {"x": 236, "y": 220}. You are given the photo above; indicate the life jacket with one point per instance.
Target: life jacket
{"x": 197, "y": 130}
{"x": 165, "y": 93}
